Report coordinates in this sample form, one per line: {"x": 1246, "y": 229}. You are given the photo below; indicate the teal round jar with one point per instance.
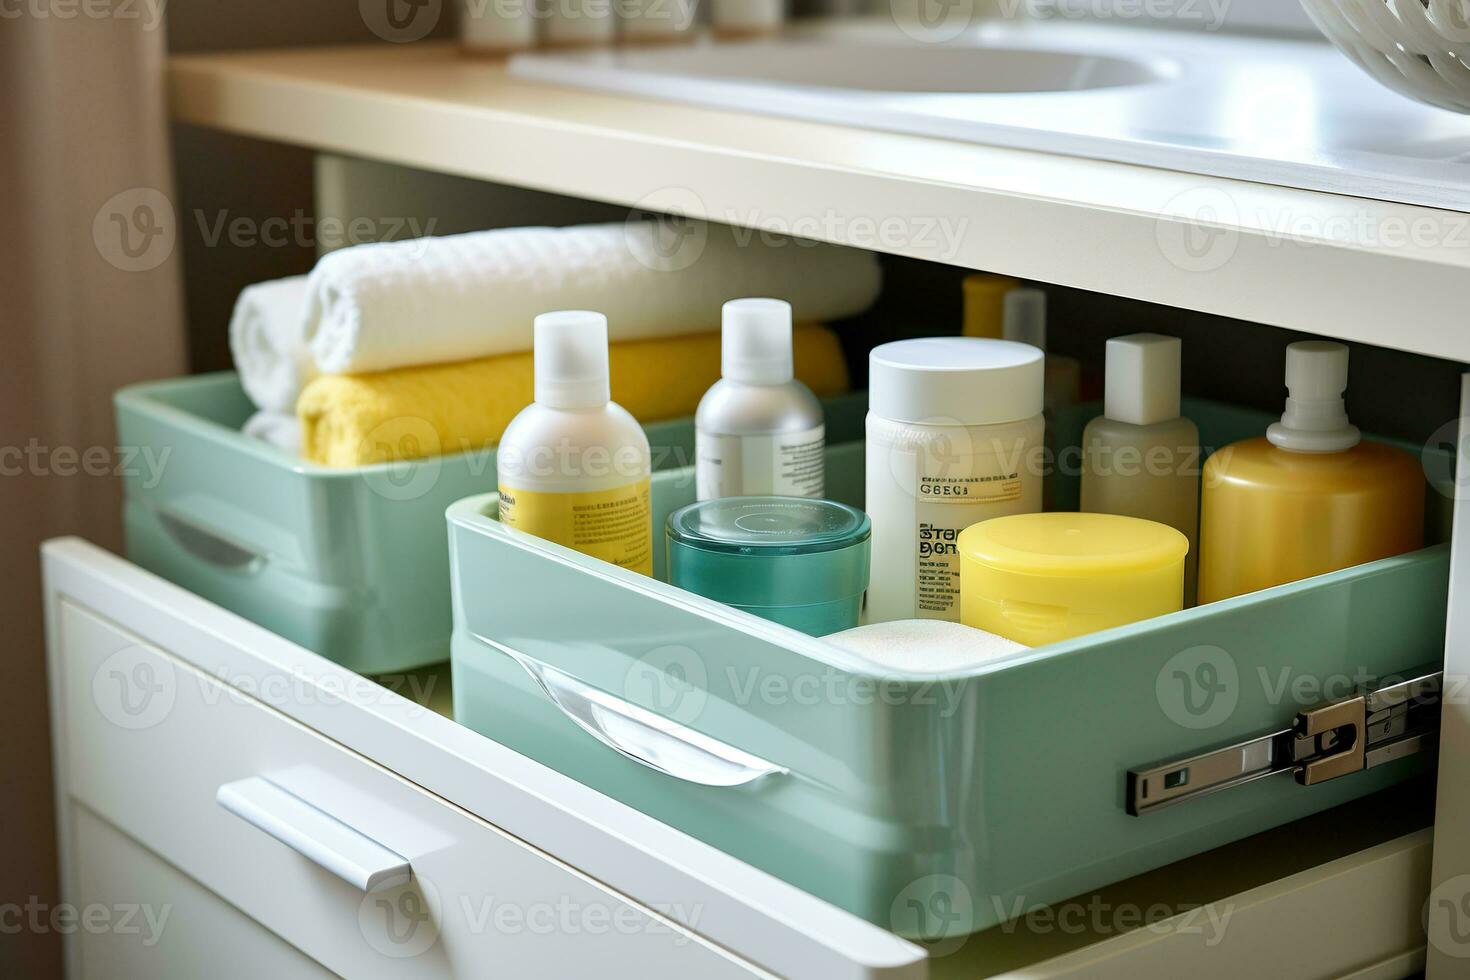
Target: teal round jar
{"x": 797, "y": 561}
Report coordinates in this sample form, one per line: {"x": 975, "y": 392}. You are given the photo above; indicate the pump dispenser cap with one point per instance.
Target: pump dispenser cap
{"x": 571, "y": 359}
{"x": 1141, "y": 383}
{"x": 755, "y": 341}
{"x": 1025, "y": 316}
{"x": 1315, "y": 420}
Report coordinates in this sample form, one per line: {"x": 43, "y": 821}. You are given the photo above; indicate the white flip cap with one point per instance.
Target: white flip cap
{"x": 1141, "y": 380}
{"x": 571, "y": 359}
{"x": 955, "y": 381}
{"x": 1315, "y": 420}
{"x": 755, "y": 341}
{"x": 1025, "y": 316}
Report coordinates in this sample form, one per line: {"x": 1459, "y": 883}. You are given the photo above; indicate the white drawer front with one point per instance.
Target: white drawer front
{"x": 151, "y": 741}
{"x": 161, "y": 923}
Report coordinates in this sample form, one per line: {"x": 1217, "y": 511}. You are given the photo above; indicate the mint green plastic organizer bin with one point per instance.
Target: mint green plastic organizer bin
{"x": 350, "y": 563}
{"x": 912, "y": 799}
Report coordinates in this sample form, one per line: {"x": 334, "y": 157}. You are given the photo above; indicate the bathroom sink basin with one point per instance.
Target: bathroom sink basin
{"x": 891, "y": 68}
{"x": 1285, "y": 111}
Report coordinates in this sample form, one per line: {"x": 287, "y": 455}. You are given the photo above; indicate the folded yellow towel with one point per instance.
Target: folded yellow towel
{"x": 415, "y": 412}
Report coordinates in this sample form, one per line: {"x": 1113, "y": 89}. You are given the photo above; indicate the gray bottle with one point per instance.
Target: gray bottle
{"x": 758, "y": 430}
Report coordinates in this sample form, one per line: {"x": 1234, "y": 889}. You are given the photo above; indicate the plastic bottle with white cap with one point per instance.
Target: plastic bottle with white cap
{"x": 649, "y": 22}
{"x": 1024, "y": 321}
{"x": 577, "y": 23}
{"x": 758, "y": 431}
{"x": 1141, "y": 458}
{"x": 747, "y": 18}
{"x": 573, "y": 466}
{"x": 496, "y": 28}
{"x": 954, "y": 438}
{"x": 1310, "y": 497}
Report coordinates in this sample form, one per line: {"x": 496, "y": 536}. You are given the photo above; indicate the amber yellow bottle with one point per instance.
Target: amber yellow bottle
{"x": 1311, "y": 497}
{"x": 985, "y": 304}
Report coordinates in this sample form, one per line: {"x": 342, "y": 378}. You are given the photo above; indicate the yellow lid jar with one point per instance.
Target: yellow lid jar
{"x": 1041, "y": 578}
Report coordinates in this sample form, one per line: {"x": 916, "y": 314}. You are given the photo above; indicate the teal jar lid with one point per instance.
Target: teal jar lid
{"x": 769, "y": 551}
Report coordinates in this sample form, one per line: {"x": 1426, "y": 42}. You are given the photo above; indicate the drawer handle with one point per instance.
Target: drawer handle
{"x": 315, "y": 835}
{"x": 642, "y": 735}
{"x": 208, "y": 546}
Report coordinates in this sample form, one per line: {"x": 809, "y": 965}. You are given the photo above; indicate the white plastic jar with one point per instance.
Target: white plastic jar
{"x": 954, "y": 438}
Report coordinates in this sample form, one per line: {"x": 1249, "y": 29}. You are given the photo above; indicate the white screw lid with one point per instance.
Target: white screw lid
{"x": 1315, "y": 420}
{"x": 570, "y": 359}
{"x": 1025, "y": 316}
{"x": 955, "y": 381}
{"x": 1141, "y": 379}
{"x": 755, "y": 341}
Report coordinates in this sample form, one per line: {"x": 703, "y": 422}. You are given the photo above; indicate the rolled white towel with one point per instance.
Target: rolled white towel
{"x": 280, "y": 429}
{"x": 423, "y": 301}
{"x": 268, "y": 342}
{"x": 925, "y": 646}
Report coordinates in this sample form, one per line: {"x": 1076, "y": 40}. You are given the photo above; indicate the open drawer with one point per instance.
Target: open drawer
{"x": 1321, "y": 897}
{"x": 188, "y": 696}
{"x": 928, "y": 803}
{"x": 350, "y": 562}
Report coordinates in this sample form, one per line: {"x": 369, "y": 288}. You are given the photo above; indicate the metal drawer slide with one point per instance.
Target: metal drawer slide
{"x": 1394, "y": 719}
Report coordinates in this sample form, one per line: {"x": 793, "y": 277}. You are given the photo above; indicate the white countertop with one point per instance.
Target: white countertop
{"x": 1293, "y": 112}
{"x": 1339, "y": 266}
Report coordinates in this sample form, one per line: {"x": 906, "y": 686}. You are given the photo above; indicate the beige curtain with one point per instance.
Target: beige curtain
{"x": 90, "y": 300}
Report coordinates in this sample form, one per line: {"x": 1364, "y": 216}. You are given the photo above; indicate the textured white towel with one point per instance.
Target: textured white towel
{"x": 268, "y": 342}
{"x": 394, "y": 304}
{"x": 280, "y": 429}
{"x": 925, "y": 646}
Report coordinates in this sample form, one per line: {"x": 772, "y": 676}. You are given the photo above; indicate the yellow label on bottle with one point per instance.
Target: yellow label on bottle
{"x": 615, "y": 525}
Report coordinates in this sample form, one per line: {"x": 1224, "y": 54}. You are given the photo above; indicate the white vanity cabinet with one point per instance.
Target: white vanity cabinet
{"x": 278, "y": 815}
{"x": 241, "y": 791}
{"x": 215, "y": 757}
